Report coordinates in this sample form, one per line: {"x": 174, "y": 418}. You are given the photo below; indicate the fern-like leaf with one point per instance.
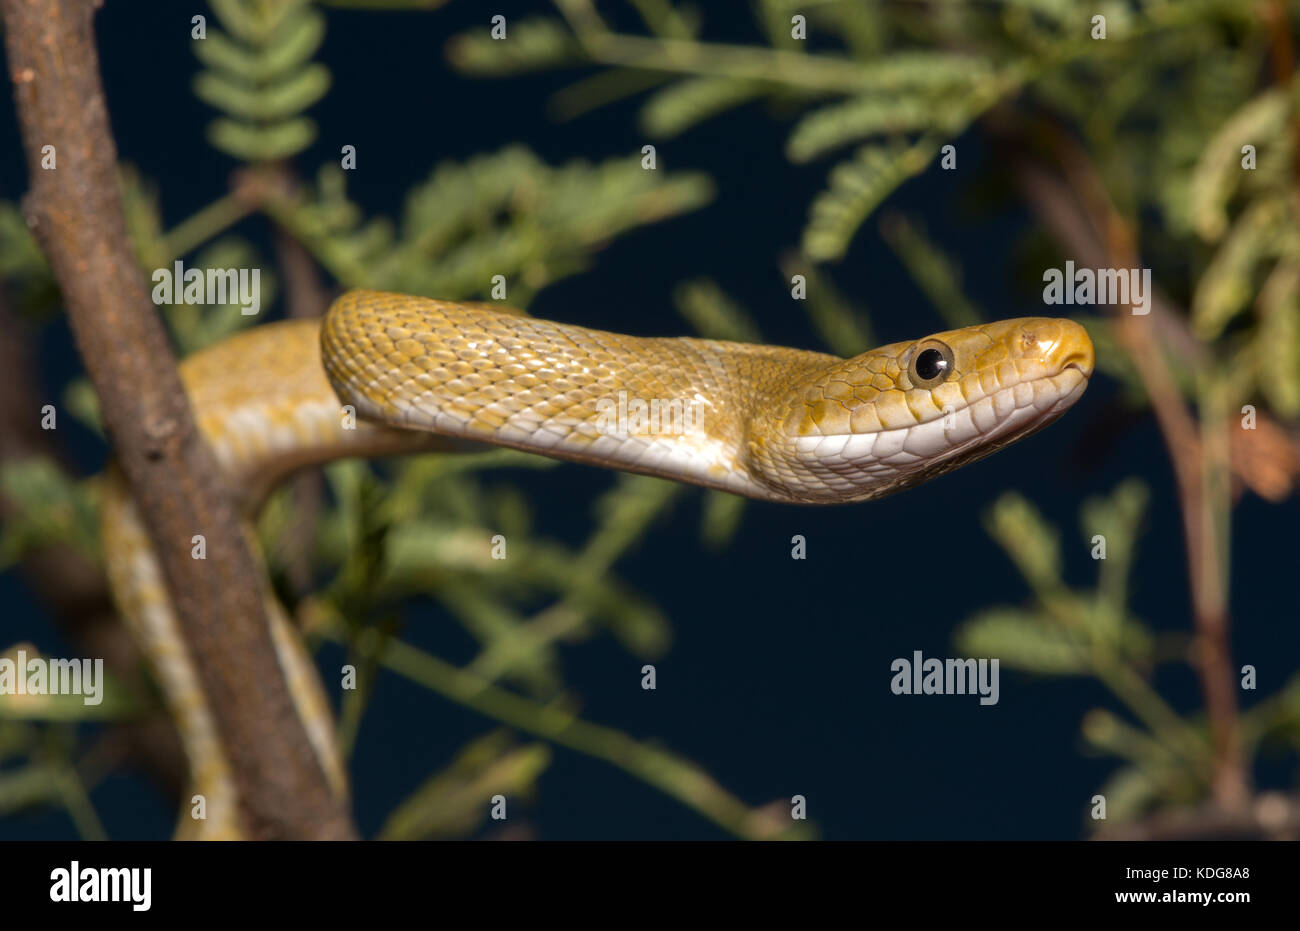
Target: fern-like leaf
{"x": 856, "y": 188}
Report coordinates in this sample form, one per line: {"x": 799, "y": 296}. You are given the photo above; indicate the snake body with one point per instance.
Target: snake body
{"x": 766, "y": 422}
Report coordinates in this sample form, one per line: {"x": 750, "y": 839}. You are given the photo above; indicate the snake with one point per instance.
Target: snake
{"x": 386, "y": 374}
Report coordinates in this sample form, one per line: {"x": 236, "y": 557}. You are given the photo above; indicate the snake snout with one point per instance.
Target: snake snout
{"x": 1058, "y": 344}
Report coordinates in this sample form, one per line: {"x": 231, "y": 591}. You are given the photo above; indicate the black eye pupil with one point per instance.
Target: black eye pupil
{"x": 930, "y": 364}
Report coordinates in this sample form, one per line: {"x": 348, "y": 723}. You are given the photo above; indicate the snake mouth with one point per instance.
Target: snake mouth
{"x": 1082, "y": 365}
{"x": 870, "y": 465}
{"x": 1048, "y": 398}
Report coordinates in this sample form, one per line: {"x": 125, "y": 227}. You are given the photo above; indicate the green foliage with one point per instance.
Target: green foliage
{"x": 143, "y": 214}
{"x": 913, "y": 82}
{"x": 114, "y": 703}
{"x": 713, "y": 314}
{"x": 194, "y": 326}
{"x": 451, "y": 803}
{"x": 48, "y": 778}
{"x": 856, "y": 188}
{"x": 421, "y": 530}
{"x": 533, "y": 43}
{"x": 1066, "y": 631}
{"x": 48, "y": 507}
{"x": 1218, "y": 173}
{"x": 1022, "y": 640}
{"x": 1278, "y": 340}
{"x": 934, "y": 272}
{"x": 1179, "y": 83}
{"x": 858, "y": 118}
{"x": 259, "y": 74}
{"x": 1230, "y": 279}
{"x": 1150, "y": 123}
{"x": 694, "y": 100}
{"x": 22, "y": 264}
{"x": 504, "y": 214}
{"x": 843, "y": 326}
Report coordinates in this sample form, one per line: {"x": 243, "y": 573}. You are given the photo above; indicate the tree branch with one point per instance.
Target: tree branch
{"x": 76, "y": 214}
{"x": 1079, "y": 214}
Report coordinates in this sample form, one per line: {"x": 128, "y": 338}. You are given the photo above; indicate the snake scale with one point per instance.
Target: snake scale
{"x": 766, "y": 422}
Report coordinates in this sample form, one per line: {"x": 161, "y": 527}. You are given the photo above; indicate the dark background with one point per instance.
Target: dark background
{"x": 778, "y": 678}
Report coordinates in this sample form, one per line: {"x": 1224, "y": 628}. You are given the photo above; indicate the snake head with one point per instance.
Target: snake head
{"x": 903, "y": 413}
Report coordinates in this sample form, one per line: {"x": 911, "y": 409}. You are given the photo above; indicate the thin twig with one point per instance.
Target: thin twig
{"x": 675, "y": 776}
{"x": 1080, "y": 215}
{"x": 305, "y": 296}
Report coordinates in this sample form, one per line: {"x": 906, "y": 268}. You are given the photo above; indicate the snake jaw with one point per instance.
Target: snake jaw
{"x": 870, "y": 431}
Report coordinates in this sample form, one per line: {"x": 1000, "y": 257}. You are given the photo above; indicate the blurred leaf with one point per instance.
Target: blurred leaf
{"x": 302, "y": 37}
{"x": 1278, "y": 338}
{"x": 713, "y": 314}
{"x": 1033, "y": 544}
{"x": 1109, "y": 734}
{"x": 48, "y": 507}
{"x": 662, "y": 19}
{"x": 197, "y": 326}
{"x": 685, "y": 103}
{"x": 1218, "y": 173}
{"x": 933, "y": 71}
{"x": 27, "y": 787}
{"x": 456, "y": 801}
{"x": 856, "y": 188}
{"x": 1129, "y": 792}
{"x": 267, "y": 103}
{"x": 530, "y": 44}
{"x": 838, "y": 124}
{"x": 842, "y": 326}
{"x": 936, "y": 273}
{"x": 261, "y": 78}
{"x": 496, "y": 625}
{"x": 101, "y": 698}
{"x": 1228, "y": 283}
{"x": 80, "y": 400}
{"x": 262, "y": 143}
{"x": 1023, "y": 640}
{"x": 1116, "y": 518}
{"x": 143, "y": 217}
{"x": 723, "y": 513}
{"x": 505, "y": 214}
{"x": 22, "y": 264}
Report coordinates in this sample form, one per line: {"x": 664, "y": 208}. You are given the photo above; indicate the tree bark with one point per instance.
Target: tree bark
{"x": 75, "y": 211}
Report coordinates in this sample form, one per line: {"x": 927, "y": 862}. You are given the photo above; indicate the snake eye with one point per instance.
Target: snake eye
{"x": 931, "y": 364}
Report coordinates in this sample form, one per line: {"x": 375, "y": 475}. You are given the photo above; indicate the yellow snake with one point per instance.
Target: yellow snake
{"x": 387, "y": 373}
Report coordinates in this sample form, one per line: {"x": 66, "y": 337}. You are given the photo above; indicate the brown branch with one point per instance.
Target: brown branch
{"x": 76, "y": 214}
{"x": 1271, "y": 816}
{"x": 304, "y": 296}
{"x": 1080, "y": 215}
{"x": 1277, "y": 24}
